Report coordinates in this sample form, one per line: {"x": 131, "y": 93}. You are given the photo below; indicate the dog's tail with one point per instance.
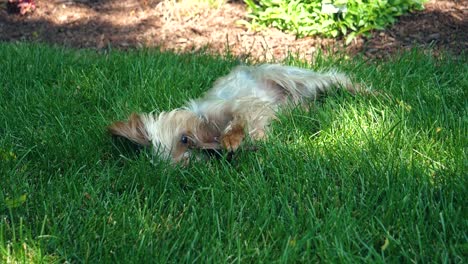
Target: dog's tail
{"x": 298, "y": 83}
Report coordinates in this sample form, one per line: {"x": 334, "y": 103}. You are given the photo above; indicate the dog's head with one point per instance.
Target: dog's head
{"x": 174, "y": 135}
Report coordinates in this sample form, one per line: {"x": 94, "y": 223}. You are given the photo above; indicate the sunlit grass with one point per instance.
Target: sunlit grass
{"x": 366, "y": 178}
{"x": 17, "y": 245}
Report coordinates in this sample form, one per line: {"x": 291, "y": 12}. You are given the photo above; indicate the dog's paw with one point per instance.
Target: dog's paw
{"x": 232, "y": 139}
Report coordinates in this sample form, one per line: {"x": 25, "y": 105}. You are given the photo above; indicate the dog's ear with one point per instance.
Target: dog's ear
{"x": 133, "y": 129}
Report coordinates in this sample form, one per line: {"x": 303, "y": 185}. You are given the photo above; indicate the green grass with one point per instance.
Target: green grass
{"x": 356, "y": 179}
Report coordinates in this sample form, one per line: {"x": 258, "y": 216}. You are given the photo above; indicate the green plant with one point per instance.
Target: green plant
{"x": 328, "y": 18}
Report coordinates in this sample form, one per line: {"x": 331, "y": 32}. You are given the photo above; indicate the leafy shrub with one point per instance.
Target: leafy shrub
{"x": 328, "y": 18}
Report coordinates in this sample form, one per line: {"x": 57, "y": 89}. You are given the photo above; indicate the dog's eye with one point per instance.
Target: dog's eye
{"x": 184, "y": 139}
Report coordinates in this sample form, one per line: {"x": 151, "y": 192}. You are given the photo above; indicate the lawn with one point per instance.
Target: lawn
{"x": 366, "y": 178}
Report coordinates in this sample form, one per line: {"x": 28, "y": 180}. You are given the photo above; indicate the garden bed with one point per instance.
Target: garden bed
{"x": 187, "y": 26}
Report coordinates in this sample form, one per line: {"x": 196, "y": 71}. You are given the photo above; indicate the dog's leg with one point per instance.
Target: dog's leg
{"x": 257, "y": 134}
{"x": 234, "y": 134}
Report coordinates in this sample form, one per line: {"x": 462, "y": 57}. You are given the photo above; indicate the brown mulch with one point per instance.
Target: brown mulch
{"x": 186, "y": 26}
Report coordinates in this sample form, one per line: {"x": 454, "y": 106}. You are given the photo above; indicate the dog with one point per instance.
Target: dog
{"x": 241, "y": 104}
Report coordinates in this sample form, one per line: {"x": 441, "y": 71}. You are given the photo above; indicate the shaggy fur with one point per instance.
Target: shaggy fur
{"x": 241, "y": 103}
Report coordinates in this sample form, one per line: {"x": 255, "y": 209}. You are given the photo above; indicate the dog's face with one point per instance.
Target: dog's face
{"x": 175, "y": 135}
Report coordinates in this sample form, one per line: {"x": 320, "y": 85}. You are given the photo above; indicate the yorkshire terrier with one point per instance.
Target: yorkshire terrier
{"x": 241, "y": 104}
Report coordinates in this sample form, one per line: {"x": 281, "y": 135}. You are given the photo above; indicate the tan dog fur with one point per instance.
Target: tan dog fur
{"x": 240, "y": 104}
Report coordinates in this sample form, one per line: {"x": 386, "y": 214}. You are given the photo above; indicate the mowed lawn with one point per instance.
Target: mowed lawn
{"x": 366, "y": 178}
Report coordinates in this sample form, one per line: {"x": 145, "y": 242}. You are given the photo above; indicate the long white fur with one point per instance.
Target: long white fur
{"x": 249, "y": 95}
{"x": 248, "y": 91}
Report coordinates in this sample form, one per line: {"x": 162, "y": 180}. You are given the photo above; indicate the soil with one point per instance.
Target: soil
{"x": 187, "y": 26}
